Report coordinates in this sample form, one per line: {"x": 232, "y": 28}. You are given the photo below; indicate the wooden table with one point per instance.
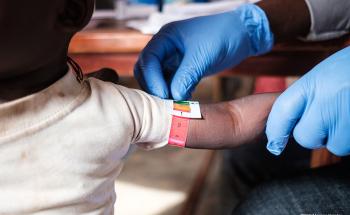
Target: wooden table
{"x": 110, "y": 44}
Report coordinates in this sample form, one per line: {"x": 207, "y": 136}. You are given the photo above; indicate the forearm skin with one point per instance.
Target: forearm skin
{"x": 230, "y": 124}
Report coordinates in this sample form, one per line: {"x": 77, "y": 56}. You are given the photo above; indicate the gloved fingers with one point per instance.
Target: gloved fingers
{"x": 339, "y": 136}
{"x": 285, "y": 113}
{"x": 310, "y": 132}
{"x": 139, "y": 76}
{"x": 148, "y": 69}
{"x": 339, "y": 147}
{"x": 186, "y": 77}
{"x": 170, "y": 66}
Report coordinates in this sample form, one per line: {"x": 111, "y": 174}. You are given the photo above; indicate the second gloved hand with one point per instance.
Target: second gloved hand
{"x": 316, "y": 108}
{"x": 183, "y": 52}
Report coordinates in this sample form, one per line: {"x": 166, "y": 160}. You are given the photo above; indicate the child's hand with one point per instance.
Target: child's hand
{"x": 229, "y": 124}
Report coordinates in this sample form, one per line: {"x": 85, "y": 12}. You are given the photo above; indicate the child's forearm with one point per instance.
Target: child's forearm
{"x": 229, "y": 124}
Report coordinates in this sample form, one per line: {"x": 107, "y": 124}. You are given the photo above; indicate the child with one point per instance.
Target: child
{"x": 63, "y": 138}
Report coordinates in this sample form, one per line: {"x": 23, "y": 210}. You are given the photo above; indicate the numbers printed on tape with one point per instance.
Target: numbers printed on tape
{"x": 182, "y": 112}
{"x": 178, "y": 132}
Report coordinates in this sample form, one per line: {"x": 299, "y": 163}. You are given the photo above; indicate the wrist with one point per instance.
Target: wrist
{"x": 288, "y": 19}
{"x": 257, "y": 27}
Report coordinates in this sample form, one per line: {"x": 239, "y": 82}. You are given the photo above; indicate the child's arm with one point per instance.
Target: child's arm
{"x": 146, "y": 120}
{"x": 229, "y": 124}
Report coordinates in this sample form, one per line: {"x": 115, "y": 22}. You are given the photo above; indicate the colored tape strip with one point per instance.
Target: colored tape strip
{"x": 178, "y": 132}
{"x": 186, "y": 109}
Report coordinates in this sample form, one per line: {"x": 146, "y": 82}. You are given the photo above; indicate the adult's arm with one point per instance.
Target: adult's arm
{"x": 288, "y": 19}
{"x": 312, "y": 19}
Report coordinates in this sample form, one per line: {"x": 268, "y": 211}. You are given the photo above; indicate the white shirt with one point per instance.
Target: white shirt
{"x": 62, "y": 149}
{"x": 329, "y": 19}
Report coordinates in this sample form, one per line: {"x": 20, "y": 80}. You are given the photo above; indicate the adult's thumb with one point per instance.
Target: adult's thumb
{"x": 285, "y": 113}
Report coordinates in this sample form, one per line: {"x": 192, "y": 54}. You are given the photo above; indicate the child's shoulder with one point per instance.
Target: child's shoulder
{"x": 113, "y": 90}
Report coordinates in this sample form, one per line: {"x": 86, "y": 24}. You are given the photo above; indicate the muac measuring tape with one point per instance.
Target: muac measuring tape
{"x": 182, "y": 112}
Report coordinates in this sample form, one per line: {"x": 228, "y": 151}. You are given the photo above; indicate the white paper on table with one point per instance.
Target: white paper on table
{"x": 181, "y": 11}
{"x": 131, "y": 12}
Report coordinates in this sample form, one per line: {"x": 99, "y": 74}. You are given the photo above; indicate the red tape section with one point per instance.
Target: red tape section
{"x": 178, "y": 132}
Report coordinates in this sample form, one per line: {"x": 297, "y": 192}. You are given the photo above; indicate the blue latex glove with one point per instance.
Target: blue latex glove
{"x": 183, "y": 52}
{"x": 316, "y": 108}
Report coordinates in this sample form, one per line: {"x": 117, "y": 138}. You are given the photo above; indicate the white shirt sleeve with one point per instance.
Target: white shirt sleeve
{"x": 329, "y": 19}
{"x": 151, "y": 117}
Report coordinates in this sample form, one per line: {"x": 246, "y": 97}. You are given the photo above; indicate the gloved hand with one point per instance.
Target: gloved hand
{"x": 183, "y": 52}
{"x": 316, "y": 108}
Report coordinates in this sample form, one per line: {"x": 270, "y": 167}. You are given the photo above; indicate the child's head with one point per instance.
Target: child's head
{"x": 37, "y": 32}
